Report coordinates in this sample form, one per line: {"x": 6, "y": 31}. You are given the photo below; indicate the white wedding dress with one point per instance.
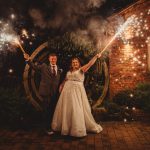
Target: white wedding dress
{"x": 72, "y": 115}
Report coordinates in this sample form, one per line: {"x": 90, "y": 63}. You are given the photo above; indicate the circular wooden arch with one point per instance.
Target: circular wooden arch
{"x": 30, "y": 86}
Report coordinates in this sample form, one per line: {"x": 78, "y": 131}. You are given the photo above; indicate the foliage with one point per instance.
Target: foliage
{"x": 124, "y": 98}
{"x": 15, "y": 111}
{"x": 117, "y": 112}
{"x": 138, "y": 97}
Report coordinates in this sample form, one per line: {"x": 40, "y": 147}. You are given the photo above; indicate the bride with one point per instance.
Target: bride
{"x": 73, "y": 115}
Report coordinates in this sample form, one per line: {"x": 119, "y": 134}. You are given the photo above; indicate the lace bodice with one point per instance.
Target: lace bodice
{"x": 77, "y": 75}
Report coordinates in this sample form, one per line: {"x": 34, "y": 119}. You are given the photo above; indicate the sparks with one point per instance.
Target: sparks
{"x": 8, "y": 35}
{"x": 128, "y": 22}
{"x": 25, "y": 33}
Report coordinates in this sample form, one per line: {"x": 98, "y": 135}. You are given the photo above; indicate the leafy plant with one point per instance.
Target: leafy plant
{"x": 15, "y": 111}
{"x": 138, "y": 97}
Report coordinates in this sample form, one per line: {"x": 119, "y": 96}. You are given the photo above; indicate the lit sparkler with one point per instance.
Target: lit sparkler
{"x": 128, "y": 22}
{"x": 8, "y": 35}
{"x": 18, "y": 43}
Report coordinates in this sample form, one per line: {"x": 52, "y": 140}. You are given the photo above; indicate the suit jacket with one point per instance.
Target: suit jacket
{"x": 49, "y": 83}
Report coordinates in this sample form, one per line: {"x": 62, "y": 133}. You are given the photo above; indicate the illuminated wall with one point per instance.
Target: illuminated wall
{"x": 130, "y": 54}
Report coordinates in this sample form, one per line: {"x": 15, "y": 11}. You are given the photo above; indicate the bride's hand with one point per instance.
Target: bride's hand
{"x": 99, "y": 55}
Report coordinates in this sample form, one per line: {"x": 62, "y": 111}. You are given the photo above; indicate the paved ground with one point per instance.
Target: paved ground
{"x": 115, "y": 136}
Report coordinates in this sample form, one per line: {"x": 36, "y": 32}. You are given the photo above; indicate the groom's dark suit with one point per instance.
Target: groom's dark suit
{"x": 48, "y": 89}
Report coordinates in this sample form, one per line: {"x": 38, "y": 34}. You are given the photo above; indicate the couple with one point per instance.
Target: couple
{"x": 71, "y": 114}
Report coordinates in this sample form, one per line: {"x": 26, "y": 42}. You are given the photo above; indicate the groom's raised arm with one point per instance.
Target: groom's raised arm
{"x": 31, "y": 64}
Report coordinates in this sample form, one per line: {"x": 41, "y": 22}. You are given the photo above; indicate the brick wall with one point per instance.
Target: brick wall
{"x": 129, "y": 56}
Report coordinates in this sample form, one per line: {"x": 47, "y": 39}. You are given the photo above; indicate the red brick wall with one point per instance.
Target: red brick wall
{"x": 128, "y": 62}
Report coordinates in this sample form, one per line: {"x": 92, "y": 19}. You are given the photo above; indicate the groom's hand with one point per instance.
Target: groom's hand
{"x": 26, "y": 56}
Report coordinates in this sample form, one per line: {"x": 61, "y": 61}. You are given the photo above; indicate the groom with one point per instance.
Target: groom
{"x": 49, "y": 85}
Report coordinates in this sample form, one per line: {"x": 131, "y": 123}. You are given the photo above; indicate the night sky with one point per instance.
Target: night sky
{"x": 47, "y": 18}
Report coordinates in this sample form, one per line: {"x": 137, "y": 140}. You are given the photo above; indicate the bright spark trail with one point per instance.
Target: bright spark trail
{"x": 128, "y": 22}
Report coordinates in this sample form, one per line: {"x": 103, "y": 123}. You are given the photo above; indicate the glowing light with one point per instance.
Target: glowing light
{"x": 33, "y": 34}
{"x": 131, "y": 95}
{"x": 7, "y": 35}
{"x": 137, "y": 34}
{"x": 135, "y": 59}
{"x": 116, "y": 80}
{"x": 148, "y": 12}
{"x": 128, "y": 22}
{"x": 146, "y": 28}
{"x": 12, "y": 16}
{"x": 10, "y": 71}
{"x": 131, "y": 55}
{"x": 30, "y": 43}
{"x": 133, "y": 108}
{"x": 138, "y": 57}
{"x": 25, "y": 33}
{"x": 125, "y": 120}
{"x": 143, "y": 65}
{"x": 141, "y": 14}
{"x": 144, "y": 56}
{"x": 134, "y": 74}
{"x": 127, "y": 50}
{"x": 127, "y": 107}
{"x": 147, "y": 41}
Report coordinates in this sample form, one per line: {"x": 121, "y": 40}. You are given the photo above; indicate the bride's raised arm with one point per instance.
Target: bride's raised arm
{"x": 87, "y": 66}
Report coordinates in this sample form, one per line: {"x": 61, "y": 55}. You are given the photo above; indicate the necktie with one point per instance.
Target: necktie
{"x": 53, "y": 70}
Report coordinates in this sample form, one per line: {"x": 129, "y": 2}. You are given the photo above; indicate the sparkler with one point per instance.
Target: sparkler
{"x": 128, "y": 22}
{"x": 7, "y": 35}
{"x": 18, "y": 43}
{"x": 11, "y": 39}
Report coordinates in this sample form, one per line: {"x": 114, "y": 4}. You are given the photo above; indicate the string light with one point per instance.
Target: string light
{"x": 127, "y": 107}
{"x": 125, "y": 120}
{"x": 134, "y": 74}
{"x": 10, "y": 71}
{"x": 143, "y": 65}
{"x": 116, "y": 80}
{"x": 131, "y": 95}
{"x": 30, "y": 43}
{"x": 33, "y": 34}
{"x": 12, "y": 16}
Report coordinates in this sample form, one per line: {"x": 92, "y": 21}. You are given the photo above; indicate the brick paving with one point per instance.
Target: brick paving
{"x": 115, "y": 136}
